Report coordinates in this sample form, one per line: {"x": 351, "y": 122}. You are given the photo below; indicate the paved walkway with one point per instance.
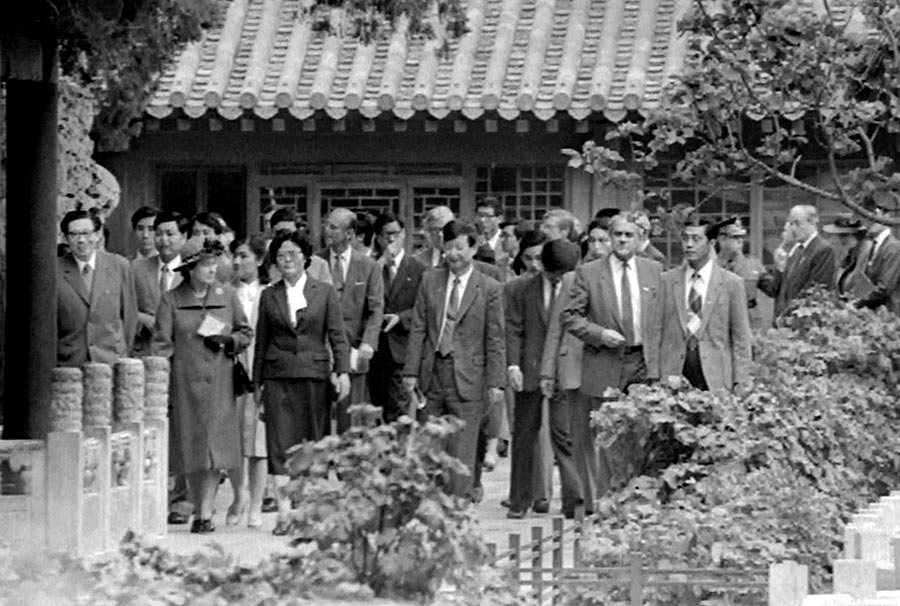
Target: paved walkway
{"x": 249, "y": 546}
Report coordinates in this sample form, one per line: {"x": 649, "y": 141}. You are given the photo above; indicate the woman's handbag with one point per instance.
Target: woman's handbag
{"x": 241, "y": 380}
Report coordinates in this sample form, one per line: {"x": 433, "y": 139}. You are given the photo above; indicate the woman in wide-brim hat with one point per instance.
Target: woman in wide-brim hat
{"x": 851, "y": 239}
{"x": 201, "y": 326}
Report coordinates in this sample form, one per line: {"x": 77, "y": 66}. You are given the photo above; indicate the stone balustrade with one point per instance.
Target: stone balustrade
{"x": 103, "y": 469}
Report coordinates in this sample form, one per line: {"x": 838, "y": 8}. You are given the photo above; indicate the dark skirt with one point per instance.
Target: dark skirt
{"x": 296, "y": 410}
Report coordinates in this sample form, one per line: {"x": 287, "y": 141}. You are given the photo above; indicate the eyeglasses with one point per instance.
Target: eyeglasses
{"x": 79, "y": 234}
{"x": 388, "y": 234}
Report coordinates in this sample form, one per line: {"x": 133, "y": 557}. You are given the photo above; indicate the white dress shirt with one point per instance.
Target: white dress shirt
{"x": 700, "y": 285}
{"x": 547, "y": 286}
{"x": 248, "y": 295}
{"x": 168, "y": 269}
{"x": 463, "y": 281}
{"x": 395, "y": 263}
{"x": 92, "y": 262}
{"x": 436, "y": 257}
{"x": 615, "y": 264}
{"x": 295, "y": 297}
{"x": 494, "y": 242}
{"x": 877, "y": 241}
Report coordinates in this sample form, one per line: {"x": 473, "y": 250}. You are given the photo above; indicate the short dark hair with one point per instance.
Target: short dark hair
{"x": 710, "y": 229}
{"x": 144, "y": 212}
{"x": 597, "y": 224}
{"x": 535, "y": 237}
{"x": 77, "y": 215}
{"x": 209, "y": 219}
{"x": 171, "y": 216}
{"x": 455, "y": 229}
{"x": 298, "y": 238}
{"x": 385, "y": 218}
{"x": 284, "y": 214}
{"x": 490, "y": 202}
{"x": 560, "y": 255}
{"x": 256, "y": 243}
{"x": 364, "y": 228}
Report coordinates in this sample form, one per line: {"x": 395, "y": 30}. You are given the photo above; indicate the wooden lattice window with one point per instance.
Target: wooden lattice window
{"x": 526, "y": 192}
{"x": 283, "y": 196}
{"x": 427, "y": 197}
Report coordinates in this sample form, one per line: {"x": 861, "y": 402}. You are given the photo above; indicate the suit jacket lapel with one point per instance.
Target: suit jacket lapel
{"x": 102, "y": 271}
{"x": 713, "y": 291}
{"x": 441, "y": 294}
{"x": 468, "y": 296}
{"x": 536, "y": 292}
{"x": 402, "y": 269}
{"x": 677, "y": 279}
{"x": 609, "y": 294}
{"x": 73, "y": 277}
{"x": 282, "y": 300}
{"x": 644, "y": 294}
{"x": 153, "y": 276}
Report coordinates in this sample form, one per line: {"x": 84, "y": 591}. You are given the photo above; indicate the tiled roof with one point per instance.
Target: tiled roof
{"x": 537, "y": 57}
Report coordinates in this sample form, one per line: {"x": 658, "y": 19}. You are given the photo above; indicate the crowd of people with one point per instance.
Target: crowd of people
{"x": 519, "y": 329}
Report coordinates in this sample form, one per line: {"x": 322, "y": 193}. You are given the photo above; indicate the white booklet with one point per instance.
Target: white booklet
{"x": 211, "y": 325}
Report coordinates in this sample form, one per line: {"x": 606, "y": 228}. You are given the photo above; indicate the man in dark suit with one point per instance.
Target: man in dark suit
{"x": 489, "y": 212}
{"x": 155, "y": 275}
{"x": 883, "y": 269}
{"x": 96, "y": 309}
{"x": 456, "y": 351}
{"x": 811, "y": 262}
{"x": 614, "y": 308}
{"x": 433, "y": 256}
{"x": 401, "y": 274}
{"x": 645, "y": 247}
{"x": 142, "y": 221}
{"x": 705, "y": 333}
{"x": 529, "y": 302}
{"x": 360, "y": 287}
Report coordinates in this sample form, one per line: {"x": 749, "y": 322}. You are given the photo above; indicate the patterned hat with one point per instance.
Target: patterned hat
{"x": 198, "y": 249}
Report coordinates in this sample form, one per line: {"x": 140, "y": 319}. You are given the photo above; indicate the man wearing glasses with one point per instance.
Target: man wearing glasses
{"x": 96, "y": 304}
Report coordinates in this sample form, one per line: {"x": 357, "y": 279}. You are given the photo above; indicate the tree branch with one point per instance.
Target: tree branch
{"x": 867, "y": 143}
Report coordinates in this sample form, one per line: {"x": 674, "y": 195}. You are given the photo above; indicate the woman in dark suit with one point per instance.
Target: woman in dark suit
{"x": 200, "y": 324}
{"x": 298, "y": 317}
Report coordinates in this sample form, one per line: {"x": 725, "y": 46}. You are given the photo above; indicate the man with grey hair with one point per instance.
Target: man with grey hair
{"x": 811, "y": 262}
{"x": 433, "y": 223}
{"x": 559, "y": 223}
{"x": 360, "y": 287}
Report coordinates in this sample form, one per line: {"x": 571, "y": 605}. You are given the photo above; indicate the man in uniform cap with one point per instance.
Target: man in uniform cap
{"x": 731, "y": 257}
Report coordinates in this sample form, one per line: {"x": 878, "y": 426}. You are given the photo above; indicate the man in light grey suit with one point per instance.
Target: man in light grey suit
{"x": 614, "y": 308}
{"x": 96, "y": 310}
{"x": 705, "y": 333}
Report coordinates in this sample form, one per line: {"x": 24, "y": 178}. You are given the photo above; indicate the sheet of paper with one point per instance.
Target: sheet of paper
{"x": 211, "y": 325}
{"x": 354, "y": 359}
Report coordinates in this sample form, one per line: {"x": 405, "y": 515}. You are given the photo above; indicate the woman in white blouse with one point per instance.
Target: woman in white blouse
{"x": 248, "y": 255}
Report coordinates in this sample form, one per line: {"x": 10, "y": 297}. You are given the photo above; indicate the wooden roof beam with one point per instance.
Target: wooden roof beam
{"x": 259, "y": 56}
{"x": 573, "y": 46}
{"x": 503, "y": 43}
{"x": 602, "y": 77}
{"x": 465, "y": 56}
{"x": 293, "y": 63}
{"x": 534, "y": 60}
{"x": 226, "y": 52}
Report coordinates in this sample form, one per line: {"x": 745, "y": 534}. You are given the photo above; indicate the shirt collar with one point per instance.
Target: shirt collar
{"x": 705, "y": 271}
{"x": 810, "y": 239}
{"x": 881, "y": 237}
{"x": 92, "y": 261}
{"x": 617, "y": 263}
{"x": 345, "y": 256}
{"x": 396, "y": 261}
{"x": 463, "y": 279}
{"x": 300, "y": 285}
{"x": 493, "y": 242}
{"x": 175, "y": 262}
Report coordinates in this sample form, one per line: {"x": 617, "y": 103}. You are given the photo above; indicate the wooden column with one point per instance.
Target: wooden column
{"x": 31, "y": 142}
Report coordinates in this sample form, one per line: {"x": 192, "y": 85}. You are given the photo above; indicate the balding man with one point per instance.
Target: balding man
{"x": 811, "y": 262}
{"x": 360, "y": 286}
{"x": 559, "y": 223}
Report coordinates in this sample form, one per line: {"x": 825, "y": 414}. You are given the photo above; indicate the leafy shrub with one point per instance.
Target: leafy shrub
{"x": 373, "y": 499}
{"x": 769, "y": 472}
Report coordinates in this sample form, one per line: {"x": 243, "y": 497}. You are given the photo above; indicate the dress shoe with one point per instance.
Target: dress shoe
{"x": 282, "y": 528}
{"x": 269, "y": 505}
{"x": 176, "y": 517}
{"x": 504, "y": 503}
{"x": 516, "y": 514}
{"x": 541, "y": 506}
{"x": 202, "y": 526}
{"x": 503, "y": 449}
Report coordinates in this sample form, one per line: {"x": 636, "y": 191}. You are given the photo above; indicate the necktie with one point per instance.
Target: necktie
{"x": 872, "y": 250}
{"x": 445, "y": 345}
{"x": 554, "y": 284}
{"x": 388, "y": 274}
{"x": 163, "y": 278}
{"x": 338, "y": 272}
{"x": 627, "y": 308}
{"x": 87, "y": 275}
{"x": 695, "y": 302}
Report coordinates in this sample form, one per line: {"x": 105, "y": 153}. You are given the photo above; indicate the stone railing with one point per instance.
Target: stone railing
{"x": 103, "y": 468}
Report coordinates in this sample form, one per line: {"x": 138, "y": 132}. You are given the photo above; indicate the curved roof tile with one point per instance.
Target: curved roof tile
{"x": 540, "y": 57}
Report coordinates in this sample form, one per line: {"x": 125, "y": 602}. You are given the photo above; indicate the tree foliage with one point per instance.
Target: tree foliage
{"x": 766, "y": 85}
{"x": 770, "y": 472}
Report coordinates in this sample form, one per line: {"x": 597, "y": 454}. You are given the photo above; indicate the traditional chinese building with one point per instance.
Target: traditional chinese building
{"x": 264, "y": 111}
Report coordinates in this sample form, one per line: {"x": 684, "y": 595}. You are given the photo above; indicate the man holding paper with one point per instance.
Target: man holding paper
{"x": 360, "y": 288}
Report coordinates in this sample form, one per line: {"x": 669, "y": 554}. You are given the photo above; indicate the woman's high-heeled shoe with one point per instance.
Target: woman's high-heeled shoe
{"x": 282, "y": 527}
{"x": 202, "y": 526}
